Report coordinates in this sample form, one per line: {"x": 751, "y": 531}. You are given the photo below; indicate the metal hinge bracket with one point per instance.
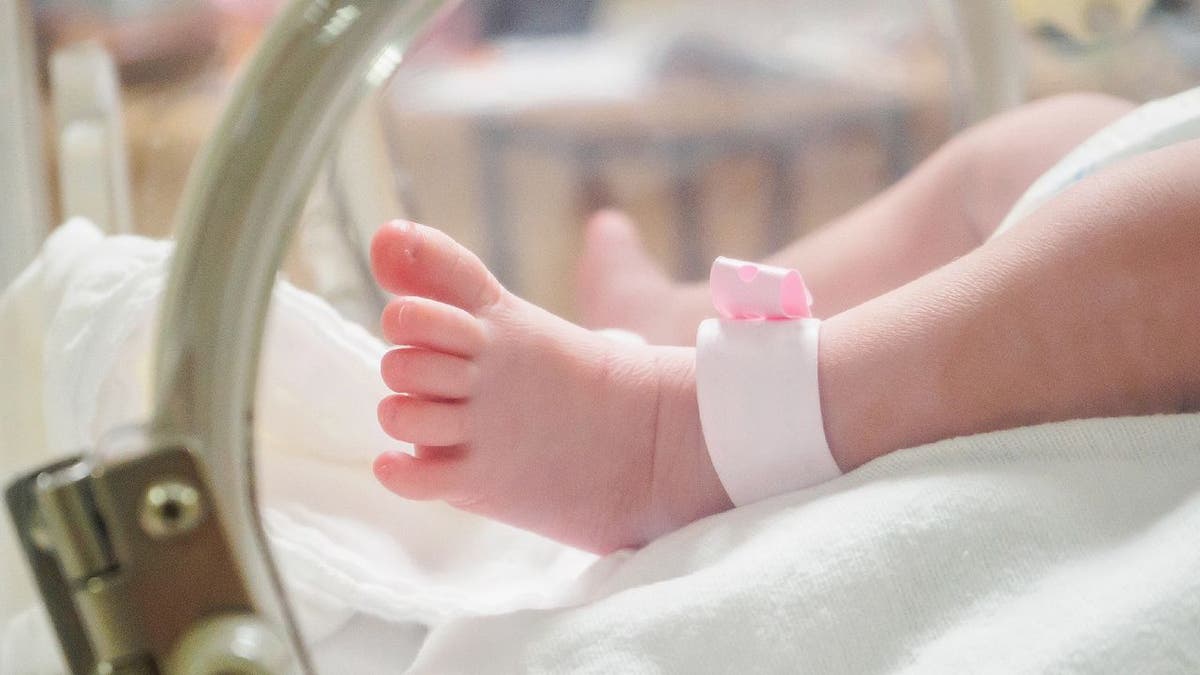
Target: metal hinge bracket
{"x": 135, "y": 568}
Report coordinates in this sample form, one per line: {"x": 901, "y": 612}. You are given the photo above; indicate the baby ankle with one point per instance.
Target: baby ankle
{"x": 685, "y": 485}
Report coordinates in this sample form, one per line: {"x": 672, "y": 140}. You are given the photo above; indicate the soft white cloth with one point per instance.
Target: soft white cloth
{"x": 1065, "y": 548}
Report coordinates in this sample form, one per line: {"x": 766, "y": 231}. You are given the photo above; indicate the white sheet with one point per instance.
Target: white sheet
{"x": 1066, "y": 548}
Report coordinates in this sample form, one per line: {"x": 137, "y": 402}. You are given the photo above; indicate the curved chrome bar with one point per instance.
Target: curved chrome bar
{"x": 239, "y": 208}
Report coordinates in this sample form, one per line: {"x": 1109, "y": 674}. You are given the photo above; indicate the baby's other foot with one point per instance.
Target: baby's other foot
{"x": 521, "y": 416}
{"x": 621, "y": 286}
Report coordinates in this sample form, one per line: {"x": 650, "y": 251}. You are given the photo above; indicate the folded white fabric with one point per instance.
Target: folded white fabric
{"x": 1066, "y": 548}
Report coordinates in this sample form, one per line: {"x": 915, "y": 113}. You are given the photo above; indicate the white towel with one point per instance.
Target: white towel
{"x": 1067, "y": 548}
{"x": 1070, "y": 547}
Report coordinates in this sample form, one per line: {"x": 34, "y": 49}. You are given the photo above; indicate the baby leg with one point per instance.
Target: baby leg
{"x": 1088, "y": 308}
{"x": 944, "y": 208}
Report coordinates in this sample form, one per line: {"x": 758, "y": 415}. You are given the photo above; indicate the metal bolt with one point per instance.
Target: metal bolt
{"x": 170, "y": 508}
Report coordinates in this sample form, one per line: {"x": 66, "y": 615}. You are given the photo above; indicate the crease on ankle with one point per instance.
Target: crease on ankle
{"x": 656, "y": 440}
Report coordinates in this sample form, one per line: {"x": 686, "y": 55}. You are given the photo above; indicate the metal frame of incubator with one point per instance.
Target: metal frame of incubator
{"x": 22, "y": 186}
{"x": 148, "y": 550}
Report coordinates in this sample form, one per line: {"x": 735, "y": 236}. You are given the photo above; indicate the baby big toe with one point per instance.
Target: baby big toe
{"x": 413, "y": 259}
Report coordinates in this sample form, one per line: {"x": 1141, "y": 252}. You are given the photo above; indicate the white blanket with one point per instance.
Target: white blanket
{"x": 1071, "y": 547}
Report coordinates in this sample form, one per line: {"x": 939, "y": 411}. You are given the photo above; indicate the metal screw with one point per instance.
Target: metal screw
{"x": 170, "y": 508}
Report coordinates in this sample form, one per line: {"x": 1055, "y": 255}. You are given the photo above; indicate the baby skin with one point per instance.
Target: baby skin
{"x": 1090, "y": 307}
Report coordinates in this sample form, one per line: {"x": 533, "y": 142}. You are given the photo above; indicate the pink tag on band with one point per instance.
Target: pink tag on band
{"x": 746, "y": 290}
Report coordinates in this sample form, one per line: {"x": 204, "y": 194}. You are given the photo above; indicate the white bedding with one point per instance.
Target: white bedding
{"x": 1071, "y": 547}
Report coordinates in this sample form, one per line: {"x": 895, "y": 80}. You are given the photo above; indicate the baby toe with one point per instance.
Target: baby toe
{"x": 427, "y": 374}
{"x": 421, "y": 322}
{"x": 412, "y": 259}
{"x": 423, "y": 478}
{"x": 423, "y": 422}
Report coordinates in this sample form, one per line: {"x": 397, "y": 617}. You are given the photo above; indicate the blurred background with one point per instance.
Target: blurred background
{"x": 719, "y": 126}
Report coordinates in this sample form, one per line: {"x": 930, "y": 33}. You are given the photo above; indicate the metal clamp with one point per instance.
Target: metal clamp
{"x": 135, "y": 569}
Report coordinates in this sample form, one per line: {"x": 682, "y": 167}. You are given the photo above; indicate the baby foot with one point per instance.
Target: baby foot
{"x": 621, "y": 286}
{"x": 523, "y": 417}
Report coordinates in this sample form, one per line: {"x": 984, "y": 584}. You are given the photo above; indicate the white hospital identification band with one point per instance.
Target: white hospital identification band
{"x": 757, "y": 388}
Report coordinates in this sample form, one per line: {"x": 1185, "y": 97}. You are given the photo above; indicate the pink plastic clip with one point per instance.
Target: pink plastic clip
{"x": 746, "y": 290}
